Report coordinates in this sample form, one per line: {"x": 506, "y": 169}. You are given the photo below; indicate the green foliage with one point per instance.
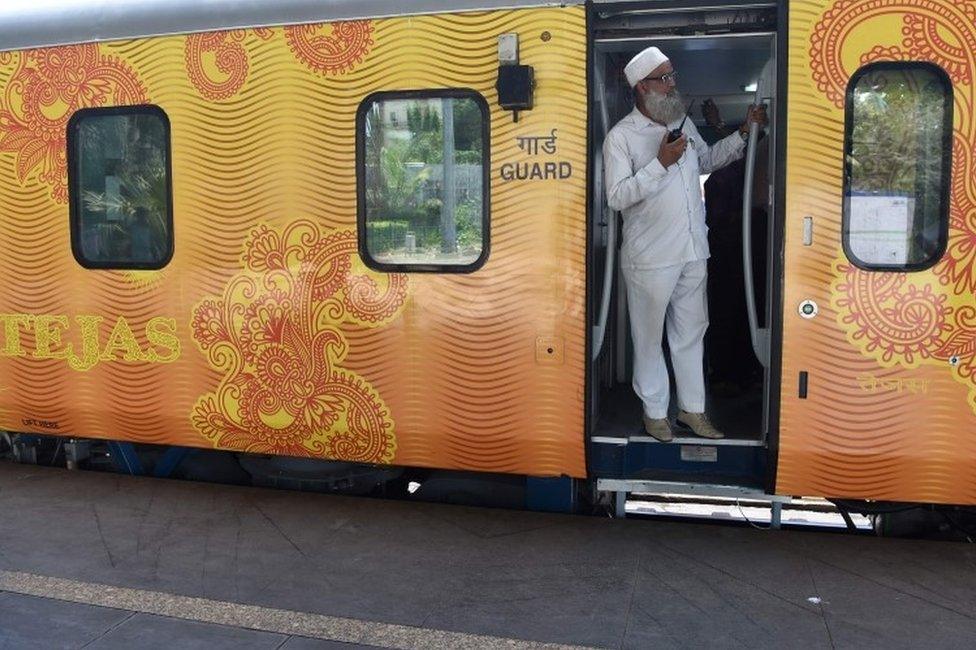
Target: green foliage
{"x": 131, "y": 149}
{"x": 469, "y": 222}
{"x": 467, "y": 127}
{"x": 897, "y": 133}
{"x": 897, "y": 148}
{"x": 468, "y": 157}
{"x": 421, "y": 118}
{"x": 400, "y": 190}
{"x": 426, "y": 147}
{"x": 427, "y": 135}
{"x": 401, "y": 183}
{"x": 386, "y": 235}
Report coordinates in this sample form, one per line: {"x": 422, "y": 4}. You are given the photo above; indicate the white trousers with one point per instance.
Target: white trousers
{"x": 675, "y": 295}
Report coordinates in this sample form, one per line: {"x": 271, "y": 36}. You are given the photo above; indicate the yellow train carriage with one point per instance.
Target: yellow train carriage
{"x": 341, "y": 232}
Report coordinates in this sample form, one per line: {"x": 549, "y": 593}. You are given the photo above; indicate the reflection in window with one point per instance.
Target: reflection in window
{"x": 897, "y": 163}
{"x": 424, "y": 182}
{"x": 120, "y": 187}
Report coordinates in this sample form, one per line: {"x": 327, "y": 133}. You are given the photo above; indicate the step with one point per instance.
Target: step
{"x": 622, "y": 487}
{"x": 648, "y": 486}
{"x": 679, "y": 440}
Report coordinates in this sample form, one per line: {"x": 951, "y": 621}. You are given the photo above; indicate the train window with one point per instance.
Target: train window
{"x": 422, "y": 168}
{"x": 119, "y": 186}
{"x": 897, "y": 159}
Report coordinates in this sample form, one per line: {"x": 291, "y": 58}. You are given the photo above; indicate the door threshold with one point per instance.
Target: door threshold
{"x": 695, "y": 440}
{"x": 678, "y": 440}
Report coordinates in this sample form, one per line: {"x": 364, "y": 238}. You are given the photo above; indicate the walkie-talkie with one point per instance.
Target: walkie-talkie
{"x": 674, "y": 135}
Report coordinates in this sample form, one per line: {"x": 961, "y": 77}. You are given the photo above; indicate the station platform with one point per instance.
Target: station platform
{"x": 93, "y": 560}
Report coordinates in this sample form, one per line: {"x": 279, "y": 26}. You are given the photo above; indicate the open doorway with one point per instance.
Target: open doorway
{"x": 725, "y": 59}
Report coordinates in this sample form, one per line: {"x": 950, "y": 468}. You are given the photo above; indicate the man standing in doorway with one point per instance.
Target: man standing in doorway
{"x": 655, "y": 185}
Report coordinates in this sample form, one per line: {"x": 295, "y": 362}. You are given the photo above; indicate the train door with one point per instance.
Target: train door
{"x": 725, "y": 59}
{"x": 879, "y": 317}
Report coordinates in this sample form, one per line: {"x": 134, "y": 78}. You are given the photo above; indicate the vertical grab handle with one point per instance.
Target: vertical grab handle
{"x": 759, "y": 336}
{"x": 600, "y": 329}
{"x": 761, "y": 351}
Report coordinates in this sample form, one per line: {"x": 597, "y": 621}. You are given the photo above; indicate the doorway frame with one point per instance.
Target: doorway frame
{"x": 776, "y": 224}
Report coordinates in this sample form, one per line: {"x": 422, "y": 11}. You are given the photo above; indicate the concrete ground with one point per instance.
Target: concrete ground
{"x": 104, "y": 561}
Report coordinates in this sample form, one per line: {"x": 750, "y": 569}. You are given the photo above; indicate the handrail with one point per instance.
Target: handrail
{"x": 759, "y": 336}
{"x": 609, "y": 267}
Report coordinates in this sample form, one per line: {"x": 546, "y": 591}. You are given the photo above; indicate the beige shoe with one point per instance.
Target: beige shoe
{"x": 658, "y": 429}
{"x": 699, "y": 425}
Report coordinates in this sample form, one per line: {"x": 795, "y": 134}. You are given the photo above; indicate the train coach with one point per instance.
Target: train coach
{"x": 339, "y": 244}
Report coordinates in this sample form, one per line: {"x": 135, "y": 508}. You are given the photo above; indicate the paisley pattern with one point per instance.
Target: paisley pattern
{"x": 222, "y": 53}
{"x": 450, "y": 379}
{"x": 276, "y": 335}
{"x": 921, "y": 41}
{"x": 891, "y": 318}
{"x": 46, "y": 87}
{"x": 331, "y": 48}
{"x": 888, "y": 414}
{"x": 907, "y": 319}
{"x": 217, "y": 63}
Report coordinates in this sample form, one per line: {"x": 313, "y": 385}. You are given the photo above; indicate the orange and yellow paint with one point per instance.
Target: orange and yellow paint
{"x": 891, "y": 411}
{"x": 266, "y": 333}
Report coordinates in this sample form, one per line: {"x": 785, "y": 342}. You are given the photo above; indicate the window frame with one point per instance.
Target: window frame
{"x": 946, "y": 181}
{"x": 427, "y": 93}
{"x": 74, "y": 196}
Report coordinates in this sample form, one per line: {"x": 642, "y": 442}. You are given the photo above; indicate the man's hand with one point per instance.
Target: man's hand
{"x": 711, "y": 114}
{"x": 670, "y": 153}
{"x": 755, "y": 114}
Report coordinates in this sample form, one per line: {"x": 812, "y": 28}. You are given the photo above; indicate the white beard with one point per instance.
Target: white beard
{"x": 664, "y": 109}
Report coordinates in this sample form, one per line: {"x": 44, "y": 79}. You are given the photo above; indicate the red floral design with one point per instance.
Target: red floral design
{"x": 958, "y": 265}
{"x": 276, "y": 337}
{"x": 266, "y": 320}
{"x": 229, "y": 57}
{"x": 900, "y": 322}
{"x": 922, "y": 41}
{"x": 46, "y": 88}
{"x": 959, "y": 348}
{"x": 891, "y": 316}
{"x": 331, "y": 48}
{"x": 881, "y": 53}
{"x": 208, "y": 325}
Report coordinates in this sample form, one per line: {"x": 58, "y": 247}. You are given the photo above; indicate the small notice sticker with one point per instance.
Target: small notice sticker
{"x": 699, "y": 454}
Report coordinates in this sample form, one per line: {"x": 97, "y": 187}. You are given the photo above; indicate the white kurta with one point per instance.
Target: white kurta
{"x": 665, "y": 245}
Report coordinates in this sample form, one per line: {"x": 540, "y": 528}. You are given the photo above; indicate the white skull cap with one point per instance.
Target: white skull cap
{"x": 643, "y": 64}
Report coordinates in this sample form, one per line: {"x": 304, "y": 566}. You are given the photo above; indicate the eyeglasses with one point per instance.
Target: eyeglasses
{"x": 670, "y": 77}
